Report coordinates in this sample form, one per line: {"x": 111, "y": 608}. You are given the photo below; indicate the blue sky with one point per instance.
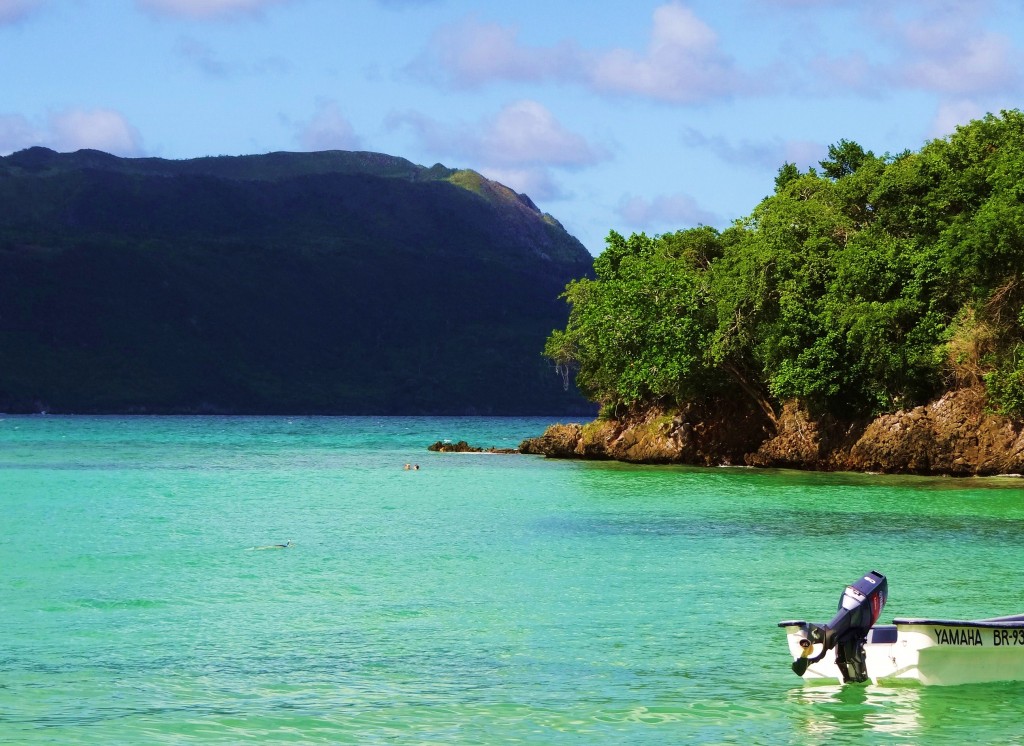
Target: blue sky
{"x": 627, "y": 116}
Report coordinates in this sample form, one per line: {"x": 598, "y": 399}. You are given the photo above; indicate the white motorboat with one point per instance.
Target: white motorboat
{"x": 852, "y": 647}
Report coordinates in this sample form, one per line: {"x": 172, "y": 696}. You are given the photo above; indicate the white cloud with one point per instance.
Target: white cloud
{"x": 803, "y": 153}
{"x": 473, "y": 53}
{"x": 669, "y": 212}
{"x": 207, "y": 60}
{"x": 850, "y": 72}
{"x": 520, "y": 146}
{"x": 100, "y": 129}
{"x": 526, "y": 132}
{"x": 201, "y": 55}
{"x": 523, "y": 133}
{"x": 968, "y": 64}
{"x": 328, "y": 130}
{"x": 757, "y": 154}
{"x": 683, "y": 62}
{"x": 951, "y": 114}
{"x": 933, "y": 47}
{"x": 207, "y": 9}
{"x": 805, "y": 5}
{"x": 16, "y": 133}
{"x": 12, "y": 11}
{"x": 536, "y": 182}
{"x": 72, "y": 129}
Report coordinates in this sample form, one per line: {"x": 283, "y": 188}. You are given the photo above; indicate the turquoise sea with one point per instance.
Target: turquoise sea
{"x": 482, "y": 599}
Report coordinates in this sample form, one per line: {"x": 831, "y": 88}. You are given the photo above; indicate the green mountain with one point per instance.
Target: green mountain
{"x": 332, "y": 282}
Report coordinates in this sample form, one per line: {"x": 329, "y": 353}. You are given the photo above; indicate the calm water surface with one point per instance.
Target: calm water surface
{"x": 480, "y": 600}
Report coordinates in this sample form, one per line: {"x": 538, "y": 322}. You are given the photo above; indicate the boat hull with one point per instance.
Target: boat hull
{"x": 931, "y": 652}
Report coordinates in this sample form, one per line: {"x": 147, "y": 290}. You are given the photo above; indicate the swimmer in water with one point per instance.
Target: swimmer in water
{"x": 276, "y": 546}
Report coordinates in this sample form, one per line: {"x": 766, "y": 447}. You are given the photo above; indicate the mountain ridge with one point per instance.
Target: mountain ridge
{"x": 281, "y": 166}
{"x": 303, "y": 283}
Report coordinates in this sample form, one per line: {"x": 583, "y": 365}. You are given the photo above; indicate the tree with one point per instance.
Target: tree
{"x": 788, "y": 172}
{"x": 858, "y": 291}
{"x": 844, "y": 158}
{"x": 640, "y": 331}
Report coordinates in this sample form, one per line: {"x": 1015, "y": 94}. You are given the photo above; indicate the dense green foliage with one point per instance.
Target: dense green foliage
{"x": 872, "y": 285}
{"x": 639, "y": 330}
{"x": 350, "y": 283}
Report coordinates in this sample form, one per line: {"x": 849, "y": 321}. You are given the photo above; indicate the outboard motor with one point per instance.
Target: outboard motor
{"x": 859, "y": 608}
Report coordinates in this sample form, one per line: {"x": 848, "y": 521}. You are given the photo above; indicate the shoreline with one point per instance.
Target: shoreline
{"x": 955, "y": 435}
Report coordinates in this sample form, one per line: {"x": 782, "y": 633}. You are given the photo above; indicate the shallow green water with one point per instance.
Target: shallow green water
{"x": 482, "y": 599}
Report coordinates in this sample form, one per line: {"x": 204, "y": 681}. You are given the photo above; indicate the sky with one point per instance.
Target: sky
{"x": 623, "y": 115}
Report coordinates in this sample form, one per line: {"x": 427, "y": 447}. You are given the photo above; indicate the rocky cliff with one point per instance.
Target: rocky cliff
{"x": 954, "y": 435}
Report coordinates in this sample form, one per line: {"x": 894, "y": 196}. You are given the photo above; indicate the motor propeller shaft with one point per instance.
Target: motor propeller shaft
{"x": 859, "y": 608}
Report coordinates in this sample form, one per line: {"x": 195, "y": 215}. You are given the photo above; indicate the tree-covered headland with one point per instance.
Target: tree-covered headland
{"x": 869, "y": 285}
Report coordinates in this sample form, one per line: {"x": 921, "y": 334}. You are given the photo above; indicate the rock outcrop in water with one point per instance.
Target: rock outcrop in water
{"x": 462, "y": 446}
{"x": 954, "y": 435}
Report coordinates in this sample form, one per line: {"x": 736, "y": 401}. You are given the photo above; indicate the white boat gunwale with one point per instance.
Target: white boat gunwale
{"x": 914, "y": 649}
{"x": 999, "y": 622}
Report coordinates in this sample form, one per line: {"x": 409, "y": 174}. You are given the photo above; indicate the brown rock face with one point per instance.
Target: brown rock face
{"x": 954, "y": 435}
{"x": 798, "y": 441}
{"x": 464, "y": 447}
{"x": 558, "y": 441}
{"x": 707, "y": 434}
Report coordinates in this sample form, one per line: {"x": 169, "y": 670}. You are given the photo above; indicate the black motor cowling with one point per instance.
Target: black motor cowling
{"x": 859, "y": 608}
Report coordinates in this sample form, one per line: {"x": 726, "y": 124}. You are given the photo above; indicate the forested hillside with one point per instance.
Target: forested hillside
{"x": 871, "y": 284}
{"x": 352, "y": 283}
